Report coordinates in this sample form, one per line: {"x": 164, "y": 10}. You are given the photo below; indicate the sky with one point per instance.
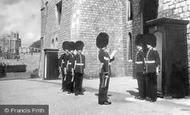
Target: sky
{"x": 21, "y": 16}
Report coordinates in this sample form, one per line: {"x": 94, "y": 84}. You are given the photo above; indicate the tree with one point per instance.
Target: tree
{"x": 36, "y": 44}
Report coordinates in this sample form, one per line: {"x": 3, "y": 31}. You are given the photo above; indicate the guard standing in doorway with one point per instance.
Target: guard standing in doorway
{"x": 140, "y": 67}
{"x": 152, "y": 67}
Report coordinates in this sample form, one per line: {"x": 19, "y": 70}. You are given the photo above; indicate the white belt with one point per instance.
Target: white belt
{"x": 80, "y": 64}
{"x": 150, "y": 62}
{"x": 103, "y": 64}
{"x": 139, "y": 62}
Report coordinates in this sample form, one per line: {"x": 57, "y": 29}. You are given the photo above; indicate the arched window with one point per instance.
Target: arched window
{"x": 52, "y": 43}
{"x": 130, "y": 46}
{"x": 129, "y": 10}
{"x": 59, "y": 11}
{"x": 56, "y": 42}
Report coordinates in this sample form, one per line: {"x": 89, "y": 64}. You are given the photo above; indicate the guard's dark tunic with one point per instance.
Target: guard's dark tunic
{"x": 79, "y": 71}
{"x": 105, "y": 70}
{"x": 152, "y": 62}
{"x": 140, "y": 72}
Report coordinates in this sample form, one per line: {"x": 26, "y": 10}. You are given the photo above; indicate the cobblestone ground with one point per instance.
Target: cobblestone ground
{"x": 122, "y": 91}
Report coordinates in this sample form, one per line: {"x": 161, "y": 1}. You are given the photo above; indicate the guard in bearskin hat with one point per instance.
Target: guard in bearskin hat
{"x": 70, "y": 68}
{"x": 63, "y": 64}
{"x": 79, "y": 67}
{"x": 152, "y": 62}
{"x": 102, "y": 42}
{"x": 140, "y": 66}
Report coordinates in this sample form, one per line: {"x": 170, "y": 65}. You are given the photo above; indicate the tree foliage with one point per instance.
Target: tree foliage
{"x": 36, "y": 44}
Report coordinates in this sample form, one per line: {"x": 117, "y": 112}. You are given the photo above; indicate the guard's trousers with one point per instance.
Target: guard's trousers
{"x": 141, "y": 84}
{"x": 69, "y": 84}
{"x": 63, "y": 81}
{"x": 151, "y": 86}
{"x": 78, "y": 82}
{"x": 103, "y": 91}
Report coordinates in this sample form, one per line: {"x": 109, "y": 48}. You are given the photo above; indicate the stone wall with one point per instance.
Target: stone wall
{"x": 83, "y": 20}
{"x": 177, "y": 9}
{"x": 102, "y": 16}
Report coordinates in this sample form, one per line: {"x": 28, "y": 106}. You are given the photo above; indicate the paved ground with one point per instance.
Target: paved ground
{"x": 122, "y": 91}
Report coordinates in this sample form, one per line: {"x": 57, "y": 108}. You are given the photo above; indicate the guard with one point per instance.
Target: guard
{"x": 79, "y": 68}
{"x": 102, "y": 42}
{"x": 140, "y": 67}
{"x": 152, "y": 67}
{"x": 70, "y": 68}
{"x": 62, "y": 64}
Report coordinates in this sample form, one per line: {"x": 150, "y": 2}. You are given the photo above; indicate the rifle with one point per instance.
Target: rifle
{"x": 72, "y": 75}
{"x": 60, "y": 69}
{"x": 104, "y": 81}
{"x": 60, "y": 73}
{"x": 65, "y": 70}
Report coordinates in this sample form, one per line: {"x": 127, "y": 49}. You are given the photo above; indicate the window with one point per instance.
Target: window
{"x": 14, "y": 35}
{"x": 130, "y": 10}
{"x": 58, "y": 11}
{"x": 56, "y": 42}
{"x": 42, "y": 42}
{"x": 52, "y": 44}
{"x": 130, "y": 46}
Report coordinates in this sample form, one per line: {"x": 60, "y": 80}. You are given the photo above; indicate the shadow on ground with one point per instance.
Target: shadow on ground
{"x": 115, "y": 96}
{"x": 133, "y": 93}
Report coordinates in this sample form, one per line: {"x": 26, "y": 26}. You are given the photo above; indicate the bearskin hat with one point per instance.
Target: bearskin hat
{"x": 65, "y": 45}
{"x": 71, "y": 45}
{"x": 139, "y": 39}
{"x": 150, "y": 39}
{"x": 102, "y": 40}
{"x": 79, "y": 45}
